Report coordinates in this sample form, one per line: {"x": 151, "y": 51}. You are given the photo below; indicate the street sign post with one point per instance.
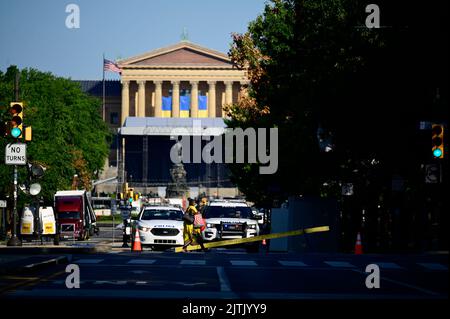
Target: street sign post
{"x": 16, "y": 154}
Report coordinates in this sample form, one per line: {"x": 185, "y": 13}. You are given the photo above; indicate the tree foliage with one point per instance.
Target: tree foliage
{"x": 318, "y": 74}
{"x": 69, "y": 136}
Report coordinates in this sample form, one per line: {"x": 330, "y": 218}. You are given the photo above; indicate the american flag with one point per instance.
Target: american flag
{"x": 111, "y": 66}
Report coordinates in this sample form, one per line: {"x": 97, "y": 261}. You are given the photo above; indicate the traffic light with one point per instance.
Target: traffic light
{"x": 16, "y": 121}
{"x": 3, "y": 129}
{"x": 437, "y": 140}
{"x": 130, "y": 195}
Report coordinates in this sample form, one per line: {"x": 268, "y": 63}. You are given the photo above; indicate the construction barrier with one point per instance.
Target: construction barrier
{"x": 237, "y": 241}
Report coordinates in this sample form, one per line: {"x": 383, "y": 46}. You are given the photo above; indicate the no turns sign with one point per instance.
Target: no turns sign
{"x": 16, "y": 154}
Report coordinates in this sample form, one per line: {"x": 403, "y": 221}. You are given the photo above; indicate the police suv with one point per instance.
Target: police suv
{"x": 160, "y": 226}
{"x": 228, "y": 219}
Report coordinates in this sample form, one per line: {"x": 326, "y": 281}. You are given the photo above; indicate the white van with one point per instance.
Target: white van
{"x": 46, "y": 222}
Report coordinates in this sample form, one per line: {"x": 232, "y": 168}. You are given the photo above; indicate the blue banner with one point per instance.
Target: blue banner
{"x": 166, "y": 103}
{"x": 185, "y": 102}
{"x": 202, "y": 102}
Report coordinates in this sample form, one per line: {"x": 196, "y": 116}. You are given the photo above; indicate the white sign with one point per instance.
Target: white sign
{"x": 16, "y": 154}
{"x": 2, "y": 203}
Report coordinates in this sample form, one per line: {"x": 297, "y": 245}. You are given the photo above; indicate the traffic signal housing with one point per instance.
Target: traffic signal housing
{"x": 437, "y": 140}
{"x": 3, "y": 129}
{"x": 16, "y": 121}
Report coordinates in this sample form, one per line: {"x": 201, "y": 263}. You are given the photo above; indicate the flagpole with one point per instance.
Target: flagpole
{"x": 103, "y": 107}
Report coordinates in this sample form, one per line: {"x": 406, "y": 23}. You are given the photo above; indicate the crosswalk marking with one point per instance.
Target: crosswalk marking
{"x": 141, "y": 282}
{"x": 88, "y": 261}
{"x": 339, "y": 264}
{"x": 293, "y": 263}
{"x": 141, "y": 261}
{"x": 243, "y": 263}
{"x": 192, "y": 262}
{"x": 388, "y": 265}
{"x": 433, "y": 266}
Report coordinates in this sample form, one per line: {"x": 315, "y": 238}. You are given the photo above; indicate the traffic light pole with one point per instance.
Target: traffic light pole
{"x": 14, "y": 240}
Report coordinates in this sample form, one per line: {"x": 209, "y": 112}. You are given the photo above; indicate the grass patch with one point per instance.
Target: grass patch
{"x": 117, "y": 217}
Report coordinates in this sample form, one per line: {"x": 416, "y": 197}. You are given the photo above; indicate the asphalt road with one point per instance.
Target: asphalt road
{"x": 236, "y": 274}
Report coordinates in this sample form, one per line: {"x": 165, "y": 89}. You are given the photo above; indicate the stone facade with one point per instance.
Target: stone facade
{"x": 183, "y": 68}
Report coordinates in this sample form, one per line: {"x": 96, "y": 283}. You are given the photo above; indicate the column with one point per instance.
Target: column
{"x": 212, "y": 99}
{"x": 228, "y": 94}
{"x": 158, "y": 98}
{"x": 125, "y": 101}
{"x": 194, "y": 99}
{"x": 175, "y": 99}
{"x": 141, "y": 99}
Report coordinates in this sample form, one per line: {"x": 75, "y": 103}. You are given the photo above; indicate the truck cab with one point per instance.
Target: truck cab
{"x": 76, "y": 217}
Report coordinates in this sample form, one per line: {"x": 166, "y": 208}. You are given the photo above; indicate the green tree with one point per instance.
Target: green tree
{"x": 297, "y": 54}
{"x": 317, "y": 72}
{"x": 69, "y": 136}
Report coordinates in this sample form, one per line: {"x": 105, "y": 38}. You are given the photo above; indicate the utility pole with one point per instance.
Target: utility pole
{"x": 14, "y": 240}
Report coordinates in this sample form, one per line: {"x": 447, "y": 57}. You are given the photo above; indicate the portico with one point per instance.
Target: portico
{"x": 182, "y": 80}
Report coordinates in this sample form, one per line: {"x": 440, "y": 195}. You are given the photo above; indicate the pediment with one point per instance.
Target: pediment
{"x": 183, "y": 54}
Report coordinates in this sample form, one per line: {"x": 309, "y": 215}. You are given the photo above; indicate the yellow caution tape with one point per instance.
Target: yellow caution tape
{"x": 257, "y": 238}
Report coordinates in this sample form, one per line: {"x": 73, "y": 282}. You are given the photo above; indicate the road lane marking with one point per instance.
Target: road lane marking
{"x": 339, "y": 264}
{"x": 426, "y": 291}
{"x": 142, "y": 261}
{"x": 141, "y": 283}
{"x": 223, "y": 279}
{"x": 243, "y": 263}
{"x": 88, "y": 261}
{"x": 28, "y": 284}
{"x": 110, "y": 282}
{"x": 292, "y": 263}
{"x": 433, "y": 266}
{"x": 192, "y": 262}
{"x": 388, "y": 265}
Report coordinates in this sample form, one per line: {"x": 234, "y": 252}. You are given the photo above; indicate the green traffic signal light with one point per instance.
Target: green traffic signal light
{"x": 437, "y": 153}
{"x": 16, "y": 132}
{"x": 16, "y": 122}
{"x": 437, "y": 140}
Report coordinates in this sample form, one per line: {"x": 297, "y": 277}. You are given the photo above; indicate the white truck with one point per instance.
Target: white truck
{"x": 75, "y": 214}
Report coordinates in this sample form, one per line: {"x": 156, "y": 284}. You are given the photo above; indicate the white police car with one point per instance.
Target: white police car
{"x": 230, "y": 220}
{"x": 160, "y": 226}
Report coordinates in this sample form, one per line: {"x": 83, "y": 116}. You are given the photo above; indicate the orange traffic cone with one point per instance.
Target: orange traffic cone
{"x": 137, "y": 242}
{"x": 358, "y": 245}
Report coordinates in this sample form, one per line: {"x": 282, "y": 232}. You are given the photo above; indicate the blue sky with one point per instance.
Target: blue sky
{"x": 34, "y": 33}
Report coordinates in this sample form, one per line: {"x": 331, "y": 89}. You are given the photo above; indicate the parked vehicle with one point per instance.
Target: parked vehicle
{"x": 42, "y": 225}
{"x": 160, "y": 226}
{"x": 76, "y": 216}
{"x": 229, "y": 220}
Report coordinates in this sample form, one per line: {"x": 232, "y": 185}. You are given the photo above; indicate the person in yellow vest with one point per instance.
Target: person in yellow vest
{"x": 193, "y": 226}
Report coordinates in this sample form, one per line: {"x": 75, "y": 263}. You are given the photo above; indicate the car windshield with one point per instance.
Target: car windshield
{"x": 150, "y": 214}
{"x": 229, "y": 212}
{"x": 73, "y": 215}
